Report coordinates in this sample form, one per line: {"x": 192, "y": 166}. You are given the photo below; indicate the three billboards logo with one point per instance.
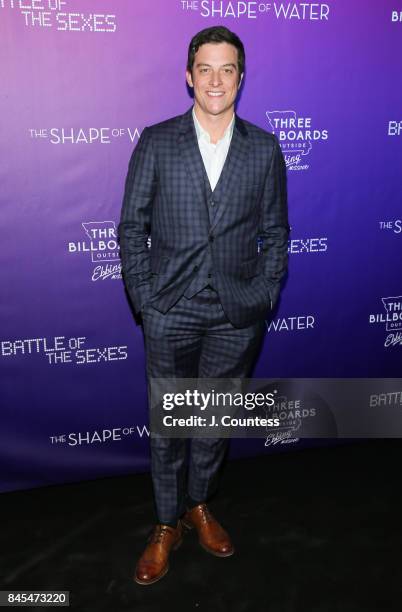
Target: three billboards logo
{"x": 392, "y": 317}
{"x": 296, "y": 136}
{"x": 290, "y": 414}
{"x": 102, "y": 246}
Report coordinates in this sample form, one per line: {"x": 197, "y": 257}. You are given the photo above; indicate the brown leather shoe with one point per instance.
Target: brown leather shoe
{"x": 211, "y": 534}
{"x": 153, "y": 563}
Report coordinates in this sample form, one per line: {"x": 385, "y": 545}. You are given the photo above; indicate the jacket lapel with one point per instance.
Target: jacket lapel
{"x": 232, "y": 169}
{"x": 191, "y": 155}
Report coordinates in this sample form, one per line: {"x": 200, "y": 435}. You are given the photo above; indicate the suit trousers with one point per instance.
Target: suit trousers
{"x": 194, "y": 339}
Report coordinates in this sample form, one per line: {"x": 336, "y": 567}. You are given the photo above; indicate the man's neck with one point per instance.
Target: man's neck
{"x": 215, "y": 125}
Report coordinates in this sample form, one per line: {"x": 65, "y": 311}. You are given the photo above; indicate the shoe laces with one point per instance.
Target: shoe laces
{"x": 206, "y": 515}
{"x": 160, "y": 532}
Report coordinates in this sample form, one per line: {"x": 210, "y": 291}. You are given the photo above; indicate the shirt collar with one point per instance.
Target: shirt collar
{"x": 201, "y": 133}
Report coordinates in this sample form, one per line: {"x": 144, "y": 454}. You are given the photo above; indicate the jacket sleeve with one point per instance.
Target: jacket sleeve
{"x": 275, "y": 226}
{"x": 135, "y": 221}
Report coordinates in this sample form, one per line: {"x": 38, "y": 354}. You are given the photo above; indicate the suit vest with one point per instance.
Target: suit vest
{"x": 205, "y": 272}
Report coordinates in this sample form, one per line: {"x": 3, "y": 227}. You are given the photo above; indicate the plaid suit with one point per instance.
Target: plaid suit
{"x": 193, "y": 231}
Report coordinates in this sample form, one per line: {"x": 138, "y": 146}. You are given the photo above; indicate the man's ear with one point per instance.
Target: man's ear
{"x": 189, "y": 79}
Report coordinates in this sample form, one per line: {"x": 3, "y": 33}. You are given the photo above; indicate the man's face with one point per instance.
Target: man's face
{"x": 215, "y": 77}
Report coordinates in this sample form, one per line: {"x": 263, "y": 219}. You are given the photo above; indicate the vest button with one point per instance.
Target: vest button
{"x": 211, "y": 238}
{"x": 212, "y": 203}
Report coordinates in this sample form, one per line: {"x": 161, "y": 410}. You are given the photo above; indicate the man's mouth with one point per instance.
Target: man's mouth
{"x": 215, "y": 94}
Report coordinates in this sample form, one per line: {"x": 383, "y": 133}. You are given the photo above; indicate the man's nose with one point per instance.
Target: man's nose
{"x": 215, "y": 79}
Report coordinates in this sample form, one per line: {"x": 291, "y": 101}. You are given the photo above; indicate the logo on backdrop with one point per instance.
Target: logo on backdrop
{"x": 54, "y": 14}
{"x": 101, "y": 247}
{"x": 394, "y": 226}
{"x": 391, "y": 317}
{"x": 396, "y": 16}
{"x": 307, "y": 245}
{"x": 296, "y": 136}
{"x": 61, "y": 350}
{"x": 291, "y": 324}
{"x": 99, "y": 436}
{"x": 394, "y": 128}
{"x": 225, "y": 9}
{"x": 297, "y": 246}
{"x": 283, "y": 437}
{"x": 79, "y": 135}
{"x": 290, "y": 414}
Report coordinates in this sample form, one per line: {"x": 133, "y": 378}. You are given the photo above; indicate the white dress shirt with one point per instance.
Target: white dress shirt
{"x": 214, "y": 155}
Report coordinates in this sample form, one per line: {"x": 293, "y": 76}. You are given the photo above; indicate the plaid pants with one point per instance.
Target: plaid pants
{"x": 194, "y": 339}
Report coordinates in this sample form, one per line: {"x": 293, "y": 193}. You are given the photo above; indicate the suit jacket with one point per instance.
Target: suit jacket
{"x": 165, "y": 198}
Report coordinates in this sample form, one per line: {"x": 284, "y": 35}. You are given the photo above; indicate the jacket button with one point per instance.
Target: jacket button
{"x": 209, "y": 275}
{"x": 195, "y": 269}
{"x": 211, "y": 238}
{"x": 212, "y": 203}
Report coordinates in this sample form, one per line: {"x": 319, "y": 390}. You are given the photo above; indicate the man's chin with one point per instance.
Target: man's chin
{"x": 214, "y": 110}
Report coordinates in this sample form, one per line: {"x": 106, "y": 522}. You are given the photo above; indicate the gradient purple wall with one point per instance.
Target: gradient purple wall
{"x": 79, "y": 81}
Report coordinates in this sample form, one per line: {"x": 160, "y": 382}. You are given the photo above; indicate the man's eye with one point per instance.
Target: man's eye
{"x": 228, "y": 70}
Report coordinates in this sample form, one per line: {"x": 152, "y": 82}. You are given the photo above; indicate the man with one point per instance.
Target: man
{"x": 205, "y": 186}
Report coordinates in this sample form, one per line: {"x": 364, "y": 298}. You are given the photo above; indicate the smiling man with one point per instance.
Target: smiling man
{"x": 206, "y": 186}
{"x": 215, "y": 86}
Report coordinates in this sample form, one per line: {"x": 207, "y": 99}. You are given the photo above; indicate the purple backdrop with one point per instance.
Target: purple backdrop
{"x": 79, "y": 81}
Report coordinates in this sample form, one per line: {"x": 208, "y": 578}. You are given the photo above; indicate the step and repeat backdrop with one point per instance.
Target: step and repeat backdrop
{"x": 80, "y": 79}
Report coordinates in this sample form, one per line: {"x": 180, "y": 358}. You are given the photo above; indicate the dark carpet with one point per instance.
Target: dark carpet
{"x": 315, "y": 530}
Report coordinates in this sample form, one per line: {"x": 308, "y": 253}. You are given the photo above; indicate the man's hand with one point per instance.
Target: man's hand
{"x": 275, "y": 226}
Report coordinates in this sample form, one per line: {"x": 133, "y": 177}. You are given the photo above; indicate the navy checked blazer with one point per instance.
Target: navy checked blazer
{"x": 165, "y": 198}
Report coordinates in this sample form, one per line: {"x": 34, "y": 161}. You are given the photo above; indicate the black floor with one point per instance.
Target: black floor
{"x": 316, "y": 530}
